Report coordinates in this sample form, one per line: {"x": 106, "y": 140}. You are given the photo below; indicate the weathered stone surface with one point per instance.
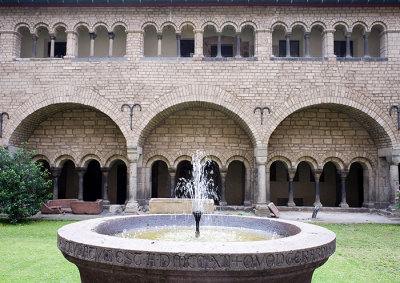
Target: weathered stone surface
{"x": 179, "y": 206}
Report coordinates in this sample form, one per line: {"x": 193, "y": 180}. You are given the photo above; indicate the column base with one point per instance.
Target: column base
{"x": 317, "y": 203}
{"x": 223, "y": 203}
{"x": 291, "y": 204}
{"x": 106, "y": 202}
{"x": 368, "y": 204}
{"x": 262, "y": 210}
{"x": 131, "y": 207}
{"x": 344, "y": 205}
{"x": 247, "y": 203}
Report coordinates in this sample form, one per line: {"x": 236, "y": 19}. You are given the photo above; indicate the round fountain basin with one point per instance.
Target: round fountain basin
{"x": 99, "y": 255}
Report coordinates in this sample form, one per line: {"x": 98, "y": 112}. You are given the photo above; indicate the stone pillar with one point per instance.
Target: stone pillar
{"x": 159, "y": 42}
{"x": 347, "y": 36}
{"x": 219, "y": 54}
{"x": 307, "y": 43}
{"x": 328, "y": 44}
{"x": 267, "y": 185}
{"x": 263, "y": 44}
{"x": 178, "y": 45}
{"x": 132, "y": 204}
{"x": 238, "y": 45}
{"x": 394, "y": 183}
{"x": 52, "y": 43}
{"x": 55, "y": 172}
{"x": 34, "y": 42}
{"x": 72, "y": 45}
{"x": 317, "y": 174}
{"x": 260, "y": 155}
{"x": 10, "y": 46}
{"x": 198, "y": 43}
{"x": 92, "y": 38}
{"x": 343, "y": 176}
{"x": 81, "y": 172}
{"x": 105, "y": 171}
{"x": 287, "y": 37}
{"x": 365, "y": 36}
{"x": 223, "y": 173}
{"x": 134, "y": 44}
{"x": 172, "y": 174}
{"x": 111, "y": 37}
{"x": 292, "y": 173}
{"x": 247, "y": 187}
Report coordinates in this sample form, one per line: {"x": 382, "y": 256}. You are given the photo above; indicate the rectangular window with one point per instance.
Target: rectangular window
{"x": 187, "y": 47}
{"x": 226, "y": 50}
{"x": 294, "y": 48}
{"x": 60, "y": 49}
{"x": 340, "y": 48}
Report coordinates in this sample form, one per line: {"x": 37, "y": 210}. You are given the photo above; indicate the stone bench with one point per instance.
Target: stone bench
{"x": 87, "y": 207}
{"x": 178, "y": 206}
{"x": 57, "y": 206}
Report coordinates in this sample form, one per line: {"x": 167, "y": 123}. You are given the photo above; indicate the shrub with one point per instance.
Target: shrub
{"x": 398, "y": 198}
{"x": 23, "y": 184}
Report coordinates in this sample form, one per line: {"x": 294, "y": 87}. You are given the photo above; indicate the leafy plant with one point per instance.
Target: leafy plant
{"x": 398, "y": 198}
{"x": 23, "y": 184}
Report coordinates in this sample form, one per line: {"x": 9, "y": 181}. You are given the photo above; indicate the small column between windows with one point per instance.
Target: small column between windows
{"x": 52, "y": 43}
{"x": 292, "y": 173}
{"x": 159, "y": 41}
{"x": 34, "y": 43}
{"x": 219, "y": 54}
{"x": 81, "y": 172}
{"x": 366, "y": 51}
{"x": 172, "y": 174}
{"x": 223, "y": 173}
{"x": 178, "y": 45}
{"x": 343, "y": 176}
{"x": 347, "y": 37}
{"x": 92, "y": 38}
{"x": 287, "y": 37}
{"x": 307, "y": 44}
{"x": 238, "y": 45}
{"x": 105, "y": 171}
{"x": 111, "y": 37}
{"x": 317, "y": 174}
{"x": 56, "y": 173}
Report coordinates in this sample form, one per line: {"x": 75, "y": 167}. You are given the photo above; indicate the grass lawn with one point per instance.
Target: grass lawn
{"x": 364, "y": 253}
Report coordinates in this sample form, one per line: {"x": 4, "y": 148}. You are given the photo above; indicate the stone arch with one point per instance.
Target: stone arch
{"x": 59, "y": 161}
{"x": 100, "y": 24}
{"x": 342, "y": 99}
{"x": 112, "y": 159}
{"x": 41, "y": 25}
{"x": 229, "y": 24}
{"x": 378, "y": 23}
{"x": 88, "y": 158}
{"x": 365, "y": 163}
{"x": 318, "y": 23}
{"x": 155, "y": 158}
{"x": 185, "y": 23}
{"x": 81, "y": 24}
{"x": 181, "y": 158}
{"x": 38, "y": 157}
{"x": 341, "y": 23}
{"x": 39, "y": 107}
{"x": 22, "y": 25}
{"x": 299, "y": 24}
{"x": 215, "y": 159}
{"x": 168, "y": 23}
{"x": 238, "y": 158}
{"x": 210, "y": 23}
{"x": 309, "y": 160}
{"x": 198, "y": 95}
{"x": 279, "y": 24}
{"x": 58, "y": 25}
{"x": 119, "y": 23}
{"x": 361, "y": 24}
{"x": 247, "y": 23}
{"x": 150, "y": 24}
{"x": 339, "y": 164}
{"x": 281, "y": 158}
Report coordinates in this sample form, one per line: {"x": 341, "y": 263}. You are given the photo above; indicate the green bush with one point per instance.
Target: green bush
{"x": 23, "y": 184}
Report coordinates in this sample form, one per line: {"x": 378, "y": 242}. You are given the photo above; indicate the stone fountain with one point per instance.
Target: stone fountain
{"x": 292, "y": 256}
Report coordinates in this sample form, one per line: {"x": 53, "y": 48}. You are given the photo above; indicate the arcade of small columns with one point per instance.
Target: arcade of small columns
{"x": 316, "y": 41}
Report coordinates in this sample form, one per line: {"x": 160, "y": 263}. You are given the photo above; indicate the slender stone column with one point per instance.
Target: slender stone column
{"x": 81, "y": 172}
{"x": 394, "y": 183}
{"x": 223, "y": 173}
{"x": 347, "y": 35}
{"x": 292, "y": 173}
{"x": 287, "y": 37}
{"x": 365, "y": 36}
{"x": 52, "y": 43}
{"x": 178, "y": 45}
{"x": 198, "y": 44}
{"x": 55, "y": 172}
{"x": 219, "y": 55}
{"x": 260, "y": 155}
{"x": 317, "y": 174}
{"x": 267, "y": 185}
{"x": 247, "y": 187}
{"x": 132, "y": 205}
{"x": 34, "y": 42}
{"x": 92, "y": 38}
{"x": 105, "y": 171}
{"x": 238, "y": 45}
{"x": 159, "y": 41}
{"x": 343, "y": 176}
{"x": 307, "y": 44}
{"x": 172, "y": 174}
{"x": 111, "y": 37}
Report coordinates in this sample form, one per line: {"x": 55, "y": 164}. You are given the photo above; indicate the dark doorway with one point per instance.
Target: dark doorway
{"x": 339, "y": 48}
{"x": 304, "y": 185}
{"x": 160, "y": 184}
{"x": 121, "y": 183}
{"x": 212, "y": 173}
{"x": 354, "y": 185}
{"x": 92, "y": 182}
{"x": 279, "y": 183}
{"x": 60, "y": 49}
{"x": 187, "y": 47}
{"x": 235, "y": 183}
{"x": 226, "y": 50}
{"x": 330, "y": 186}
{"x": 183, "y": 175}
{"x": 68, "y": 181}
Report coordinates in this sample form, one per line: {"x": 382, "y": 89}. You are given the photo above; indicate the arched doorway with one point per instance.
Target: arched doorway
{"x": 183, "y": 175}
{"x": 279, "y": 183}
{"x": 354, "y": 185}
{"x": 212, "y": 173}
{"x": 68, "y": 181}
{"x": 117, "y": 186}
{"x": 235, "y": 183}
{"x": 304, "y": 185}
{"x": 160, "y": 184}
{"x": 330, "y": 187}
{"x": 46, "y": 167}
{"x": 92, "y": 182}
